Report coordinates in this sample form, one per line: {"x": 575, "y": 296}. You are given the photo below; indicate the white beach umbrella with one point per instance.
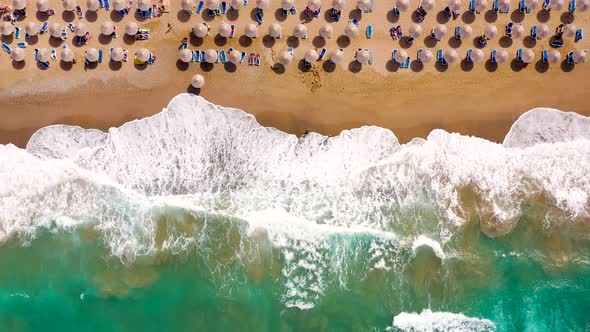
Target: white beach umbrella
{"x": 66, "y": 54}
{"x": 363, "y": 4}
{"x": 43, "y": 55}
{"x": 314, "y": 4}
{"x": 426, "y": 56}
{"x": 531, "y": 4}
{"x": 212, "y": 4}
{"x": 336, "y": 56}
{"x": 554, "y": 56}
{"x": 251, "y": 30}
{"x": 131, "y": 28}
{"x": 118, "y": 54}
{"x": 185, "y": 55}
{"x": 81, "y": 29}
{"x": 198, "y": 81}
{"x": 401, "y": 56}
{"x": 262, "y": 4}
{"x": 42, "y": 5}
{"x": 517, "y": 31}
{"x": 69, "y": 5}
{"x": 17, "y": 54}
{"x": 275, "y": 30}
{"x": 557, "y": 5}
{"x": 583, "y": 5}
{"x": 300, "y": 31}
{"x": 439, "y": 31}
{"x": 55, "y": 29}
{"x": 480, "y": 5}
{"x": 428, "y": 5}
{"x": 490, "y": 31}
{"x": 338, "y": 4}
{"x": 224, "y": 29}
{"x": 143, "y": 54}
{"x": 119, "y": 4}
{"x": 477, "y": 55}
{"x": 326, "y": 31}
{"x": 210, "y": 56}
{"x": 91, "y": 54}
{"x": 200, "y": 30}
{"x": 527, "y": 55}
{"x": 236, "y": 4}
{"x": 543, "y": 30}
{"x": 503, "y": 4}
{"x": 451, "y": 56}
{"x": 285, "y": 57}
{"x": 234, "y": 57}
{"x": 287, "y": 4}
{"x": 107, "y": 28}
{"x": 466, "y": 31}
{"x": 415, "y": 31}
{"x": 454, "y": 5}
{"x": 187, "y": 5}
{"x": 19, "y": 4}
{"x": 363, "y": 56}
{"x": 579, "y": 56}
{"x": 6, "y": 28}
{"x": 32, "y": 28}
{"x": 402, "y": 5}
{"x": 351, "y": 30}
{"x": 92, "y": 5}
{"x": 311, "y": 55}
{"x": 569, "y": 30}
{"x": 502, "y": 56}
{"x": 144, "y": 5}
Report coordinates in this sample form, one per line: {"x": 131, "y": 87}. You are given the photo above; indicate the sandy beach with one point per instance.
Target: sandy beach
{"x": 474, "y": 99}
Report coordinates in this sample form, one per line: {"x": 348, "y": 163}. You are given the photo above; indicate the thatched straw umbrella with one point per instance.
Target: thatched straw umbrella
{"x": 19, "y": 4}
{"x": 107, "y": 28}
{"x": 415, "y": 31}
{"x": 131, "y": 28}
{"x": 337, "y": 55}
{"x": 338, "y": 4}
{"x": 527, "y": 55}
{"x": 200, "y": 30}
{"x": 251, "y": 30}
{"x": 557, "y": 5}
{"x": 187, "y": 5}
{"x": 363, "y": 56}
{"x": 92, "y": 5}
{"x": 185, "y": 55}
{"x": 285, "y": 57}
{"x": 490, "y": 31}
{"x": 455, "y": 5}
{"x": 363, "y": 5}
{"x": 402, "y": 5}
{"x": 211, "y": 56}
{"x": 117, "y": 54}
{"x": 144, "y": 5}
{"x": 43, "y": 55}
{"x": 451, "y": 56}
{"x": 426, "y": 56}
{"x": 236, "y": 4}
{"x": 91, "y": 54}
{"x": 17, "y": 54}
{"x": 477, "y": 55}
{"x": 503, "y": 5}
{"x": 531, "y": 4}
{"x": 143, "y": 54}
{"x": 579, "y": 56}
{"x": 198, "y": 81}
{"x": 517, "y": 31}
{"x": 212, "y": 4}
{"x": 32, "y": 28}
{"x": 314, "y": 4}
{"x": 69, "y": 5}
{"x": 351, "y": 30}
{"x": 6, "y": 28}
{"x": 81, "y": 29}
{"x": 326, "y": 31}
{"x": 554, "y": 56}
{"x": 300, "y": 31}
{"x": 119, "y": 4}
{"x": 401, "y": 56}
{"x": 55, "y": 30}
{"x": 502, "y": 56}
{"x": 583, "y": 5}
{"x": 543, "y": 30}
{"x": 311, "y": 55}
{"x": 66, "y": 54}
{"x": 262, "y": 4}
{"x": 428, "y": 5}
{"x": 224, "y": 29}
{"x": 287, "y": 4}
{"x": 275, "y": 30}
{"x": 480, "y": 5}
{"x": 234, "y": 57}
{"x": 569, "y": 30}
{"x": 42, "y": 5}
{"x": 439, "y": 31}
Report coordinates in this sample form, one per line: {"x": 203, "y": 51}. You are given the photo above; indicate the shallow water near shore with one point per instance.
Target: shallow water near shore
{"x": 199, "y": 219}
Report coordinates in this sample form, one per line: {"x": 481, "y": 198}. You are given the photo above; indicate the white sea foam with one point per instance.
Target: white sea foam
{"x": 423, "y": 241}
{"x": 429, "y": 321}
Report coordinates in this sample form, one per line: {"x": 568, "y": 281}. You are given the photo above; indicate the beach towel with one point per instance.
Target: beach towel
{"x": 556, "y": 43}
{"x": 79, "y": 11}
{"x": 290, "y": 49}
{"x": 317, "y": 13}
{"x": 521, "y": 6}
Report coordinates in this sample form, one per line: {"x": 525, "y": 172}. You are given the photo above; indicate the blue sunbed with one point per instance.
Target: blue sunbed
{"x": 546, "y": 4}
{"x": 406, "y": 63}
{"x": 440, "y": 57}
{"x": 242, "y": 57}
{"x": 322, "y": 53}
{"x": 202, "y": 55}
{"x": 521, "y": 6}
{"x": 579, "y": 34}
{"x": 570, "y": 58}
{"x": 99, "y": 56}
{"x": 371, "y": 58}
{"x": 223, "y": 58}
{"x": 17, "y": 32}
{"x": 472, "y": 6}
{"x": 317, "y": 14}
{"x": 393, "y": 54}
{"x": 545, "y": 56}
{"x": 495, "y": 6}
{"x": 100, "y": 4}
{"x": 572, "y": 7}
{"x": 508, "y": 29}
{"x": 505, "y": 11}
{"x": 290, "y": 49}
{"x": 419, "y": 54}
{"x": 448, "y": 12}
{"x": 224, "y": 7}
{"x": 150, "y": 12}
{"x": 293, "y": 10}
{"x": 534, "y": 32}
{"x": 245, "y": 2}
{"x": 44, "y": 27}
{"x": 107, "y": 5}
{"x": 111, "y": 54}
{"x": 233, "y": 31}
{"x": 396, "y": 11}
{"x": 53, "y": 55}
{"x": 200, "y": 7}
{"x": 259, "y": 17}
{"x": 369, "y": 31}
{"x": 410, "y": 40}
{"x": 22, "y": 44}
{"x": 43, "y": 65}
{"x": 6, "y": 48}
{"x": 71, "y": 26}
{"x": 64, "y": 33}
{"x": 257, "y": 60}
{"x": 556, "y": 43}
{"x": 355, "y": 21}
{"x": 197, "y": 56}
{"x": 184, "y": 45}
{"x": 458, "y": 33}
{"x": 469, "y": 51}
{"x": 36, "y": 54}
{"x": 493, "y": 56}
{"x": 519, "y": 55}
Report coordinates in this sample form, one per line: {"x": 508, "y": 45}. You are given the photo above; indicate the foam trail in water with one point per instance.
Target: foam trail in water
{"x": 429, "y": 321}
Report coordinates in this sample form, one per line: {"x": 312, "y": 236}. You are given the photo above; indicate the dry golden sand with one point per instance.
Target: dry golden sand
{"x": 479, "y": 101}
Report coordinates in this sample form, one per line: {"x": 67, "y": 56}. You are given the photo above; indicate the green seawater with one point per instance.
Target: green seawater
{"x": 530, "y": 279}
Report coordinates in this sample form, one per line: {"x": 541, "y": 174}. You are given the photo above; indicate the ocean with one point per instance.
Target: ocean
{"x": 200, "y": 219}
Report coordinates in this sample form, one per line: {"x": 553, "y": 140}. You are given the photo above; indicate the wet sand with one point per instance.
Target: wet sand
{"x": 474, "y": 99}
